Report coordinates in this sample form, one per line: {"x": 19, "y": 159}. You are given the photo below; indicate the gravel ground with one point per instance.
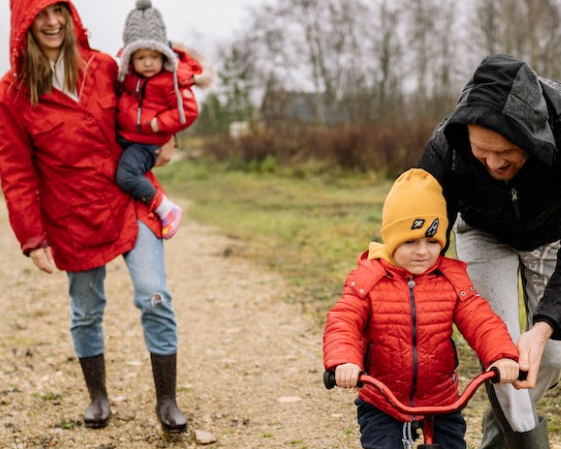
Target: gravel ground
{"x": 249, "y": 361}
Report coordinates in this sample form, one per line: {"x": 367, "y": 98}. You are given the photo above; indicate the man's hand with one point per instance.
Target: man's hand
{"x": 531, "y": 345}
{"x": 43, "y": 259}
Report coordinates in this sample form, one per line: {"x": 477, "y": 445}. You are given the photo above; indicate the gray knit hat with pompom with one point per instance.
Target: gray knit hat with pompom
{"x": 145, "y": 29}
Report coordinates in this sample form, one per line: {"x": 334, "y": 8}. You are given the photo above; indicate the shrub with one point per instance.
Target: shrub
{"x": 385, "y": 147}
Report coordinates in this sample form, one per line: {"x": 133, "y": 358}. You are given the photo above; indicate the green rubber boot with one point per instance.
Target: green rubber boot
{"x": 493, "y": 437}
{"x": 536, "y": 438}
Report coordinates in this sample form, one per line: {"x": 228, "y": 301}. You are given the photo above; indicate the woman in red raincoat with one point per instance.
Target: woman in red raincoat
{"x": 58, "y": 156}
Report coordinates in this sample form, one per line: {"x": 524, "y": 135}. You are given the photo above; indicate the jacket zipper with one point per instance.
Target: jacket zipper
{"x": 514, "y": 199}
{"x": 411, "y": 285}
{"x": 140, "y": 93}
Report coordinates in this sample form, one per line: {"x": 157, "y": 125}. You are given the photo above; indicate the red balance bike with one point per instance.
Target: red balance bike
{"x": 424, "y": 415}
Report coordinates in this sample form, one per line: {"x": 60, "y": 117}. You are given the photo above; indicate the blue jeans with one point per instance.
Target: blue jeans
{"x": 146, "y": 266}
{"x": 379, "y": 430}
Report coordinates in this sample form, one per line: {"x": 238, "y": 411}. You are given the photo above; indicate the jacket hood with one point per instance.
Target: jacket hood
{"x": 23, "y": 12}
{"x": 378, "y": 250}
{"x": 506, "y": 96}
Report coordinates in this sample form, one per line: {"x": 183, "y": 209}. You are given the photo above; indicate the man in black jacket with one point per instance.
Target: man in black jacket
{"x": 497, "y": 159}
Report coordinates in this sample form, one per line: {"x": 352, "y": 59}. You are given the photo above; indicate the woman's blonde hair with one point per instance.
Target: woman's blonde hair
{"x": 36, "y": 69}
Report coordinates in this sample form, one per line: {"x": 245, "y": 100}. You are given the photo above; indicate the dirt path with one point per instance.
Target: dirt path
{"x": 250, "y": 362}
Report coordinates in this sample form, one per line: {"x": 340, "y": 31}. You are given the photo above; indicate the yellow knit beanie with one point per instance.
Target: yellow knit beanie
{"x": 414, "y": 208}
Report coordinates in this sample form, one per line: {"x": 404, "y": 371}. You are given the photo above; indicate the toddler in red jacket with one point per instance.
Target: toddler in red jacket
{"x": 155, "y": 103}
{"x": 395, "y": 320}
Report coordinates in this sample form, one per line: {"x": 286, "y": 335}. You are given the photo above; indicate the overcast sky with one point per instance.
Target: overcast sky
{"x": 199, "y": 24}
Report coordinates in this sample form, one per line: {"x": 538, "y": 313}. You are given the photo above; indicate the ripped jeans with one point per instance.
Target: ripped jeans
{"x": 152, "y": 297}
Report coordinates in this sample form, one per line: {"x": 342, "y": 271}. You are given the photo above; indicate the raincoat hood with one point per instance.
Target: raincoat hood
{"x": 506, "y": 96}
{"x": 23, "y": 12}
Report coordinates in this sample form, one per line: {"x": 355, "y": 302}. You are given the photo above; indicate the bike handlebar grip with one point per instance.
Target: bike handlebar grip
{"x": 329, "y": 379}
{"x": 330, "y": 382}
{"x": 522, "y": 375}
{"x": 497, "y": 378}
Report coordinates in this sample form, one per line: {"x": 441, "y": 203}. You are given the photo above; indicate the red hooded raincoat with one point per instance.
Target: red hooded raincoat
{"x": 58, "y": 159}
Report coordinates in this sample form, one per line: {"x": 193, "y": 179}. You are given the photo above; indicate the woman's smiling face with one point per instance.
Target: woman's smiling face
{"x": 48, "y": 28}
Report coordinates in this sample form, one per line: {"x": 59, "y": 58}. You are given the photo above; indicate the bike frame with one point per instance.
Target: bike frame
{"x": 424, "y": 414}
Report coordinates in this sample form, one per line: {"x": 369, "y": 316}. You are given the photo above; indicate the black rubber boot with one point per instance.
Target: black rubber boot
{"x": 164, "y": 369}
{"x": 493, "y": 437}
{"x": 536, "y": 438}
{"x": 98, "y": 412}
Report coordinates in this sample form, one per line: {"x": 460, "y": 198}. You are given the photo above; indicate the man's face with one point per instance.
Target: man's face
{"x": 502, "y": 159}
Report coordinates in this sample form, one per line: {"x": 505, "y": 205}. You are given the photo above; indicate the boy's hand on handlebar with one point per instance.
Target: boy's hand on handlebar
{"x": 508, "y": 370}
{"x": 346, "y": 375}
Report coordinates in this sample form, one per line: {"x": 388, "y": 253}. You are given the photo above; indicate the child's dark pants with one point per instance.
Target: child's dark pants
{"x": 136, "y": 160}
{"x": 381, "y": 431}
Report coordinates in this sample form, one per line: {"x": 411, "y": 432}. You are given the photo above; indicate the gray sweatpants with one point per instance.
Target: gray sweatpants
{"x": 494, "y": 269}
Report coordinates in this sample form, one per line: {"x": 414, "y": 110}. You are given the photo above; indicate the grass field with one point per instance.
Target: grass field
{"x": 307, "y": 225}
{"x": 311, "y": 229}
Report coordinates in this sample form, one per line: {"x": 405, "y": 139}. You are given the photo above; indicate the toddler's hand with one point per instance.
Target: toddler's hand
{"x": 154, "y": 125}
{"x": 508, "y": 369}
{"x": 165, "y": 153}
{"x": 346, "y": 375}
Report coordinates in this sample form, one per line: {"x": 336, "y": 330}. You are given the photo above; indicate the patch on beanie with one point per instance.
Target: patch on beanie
{"x": 418, "y": 223}
{"x": 433, "y": 228}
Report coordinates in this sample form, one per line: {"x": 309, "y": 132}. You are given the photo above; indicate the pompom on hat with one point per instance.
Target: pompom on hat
{"x": 414, "y": 208}
{"x": 145, "y": 29}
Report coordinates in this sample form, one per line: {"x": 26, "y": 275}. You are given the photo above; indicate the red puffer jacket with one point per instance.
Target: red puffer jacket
{"x": 58, "y": 159}
{"x": 145, "y": 98}
{"x": 406, "y": 323}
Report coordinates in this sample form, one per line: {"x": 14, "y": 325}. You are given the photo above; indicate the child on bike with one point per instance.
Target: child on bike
{"x": 395, "y": 320}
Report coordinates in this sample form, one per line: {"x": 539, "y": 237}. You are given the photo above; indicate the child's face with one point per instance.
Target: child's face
{"x": 417, "y": 256}
{"x": 147, "y": 62}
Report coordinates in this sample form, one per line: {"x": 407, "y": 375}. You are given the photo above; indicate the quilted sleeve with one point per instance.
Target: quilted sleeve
{"x": 343, "y": 336}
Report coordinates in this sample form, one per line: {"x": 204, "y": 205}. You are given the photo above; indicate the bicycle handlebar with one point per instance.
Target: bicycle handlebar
{"x": 492, "y": 375}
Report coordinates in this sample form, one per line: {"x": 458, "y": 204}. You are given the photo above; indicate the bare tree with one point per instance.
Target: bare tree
{"x": 433, "y": 52}
{"x": 444, "y": 56}
{"x": 368, "y": 60}
{"x": 527, "y": 29}
{"x": 422, "y": 17}
{"x": 386, "y": 50}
